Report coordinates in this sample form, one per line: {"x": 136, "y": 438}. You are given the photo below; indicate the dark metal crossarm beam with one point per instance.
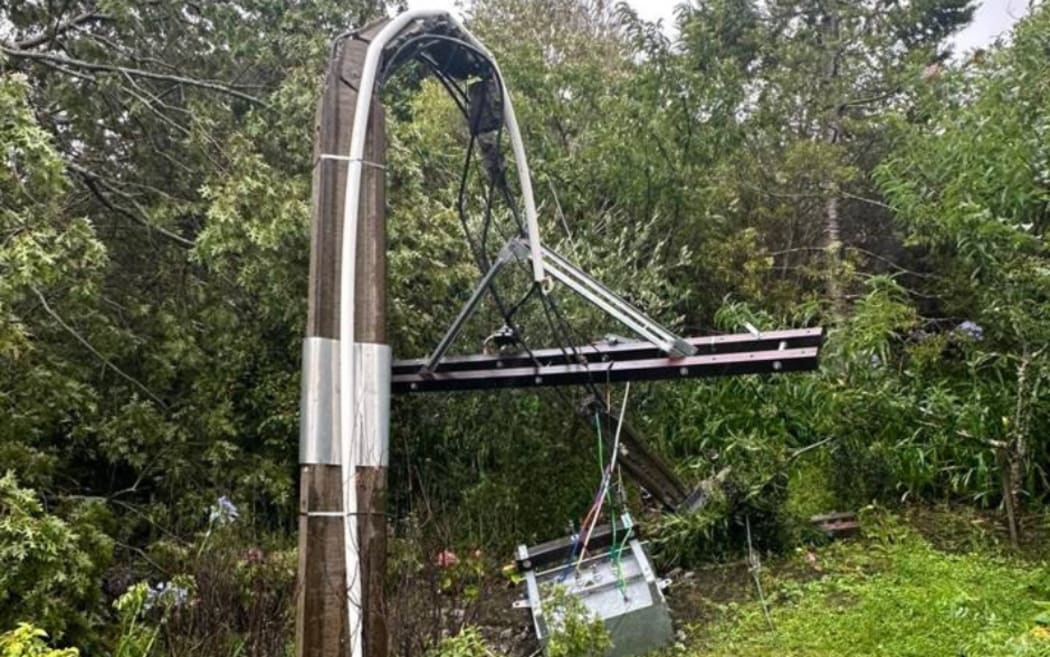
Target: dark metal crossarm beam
{"x": 774, "y": 361}
{"x": 601, "y": 353}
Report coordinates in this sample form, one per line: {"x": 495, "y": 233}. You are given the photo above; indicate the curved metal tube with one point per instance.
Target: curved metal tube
{"x": 350, "y": 379}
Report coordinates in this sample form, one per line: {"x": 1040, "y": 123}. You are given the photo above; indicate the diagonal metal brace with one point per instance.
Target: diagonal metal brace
{"x": 575, "y": 279}
{"x": 506, "y": 255}
{"x": 608, "y": 301}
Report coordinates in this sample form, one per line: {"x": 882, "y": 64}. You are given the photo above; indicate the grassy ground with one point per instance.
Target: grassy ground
{"x": 891, "y": 593}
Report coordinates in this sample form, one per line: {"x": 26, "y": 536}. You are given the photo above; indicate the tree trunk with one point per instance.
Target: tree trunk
{"x": 832, "y": 132}
{"x": 834, "y": 255}
{"x": 1016, "y": 457}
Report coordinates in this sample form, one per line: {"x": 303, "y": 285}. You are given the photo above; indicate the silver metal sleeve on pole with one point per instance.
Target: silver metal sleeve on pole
{"x": 319, "y": 403}
{"x": 376, "y": 362}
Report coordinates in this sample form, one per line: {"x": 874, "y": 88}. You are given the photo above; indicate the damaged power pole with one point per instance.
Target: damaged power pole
{"x": 335, "y": 619}
{"x": 348, "y": 374}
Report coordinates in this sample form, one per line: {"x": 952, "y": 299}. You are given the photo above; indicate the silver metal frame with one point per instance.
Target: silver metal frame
{"x": 505, "y": 256}
{"x": 590, "y": 289}
{"x": 579, "y": 282}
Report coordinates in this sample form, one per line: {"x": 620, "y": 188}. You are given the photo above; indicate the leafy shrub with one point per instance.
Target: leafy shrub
{"x": 575, "y": 631}
{"x": 468, "y": 643}
{"x": 29, "y": 641}
{"x": 233, "y": 594}
{"x": 50, "y": 567}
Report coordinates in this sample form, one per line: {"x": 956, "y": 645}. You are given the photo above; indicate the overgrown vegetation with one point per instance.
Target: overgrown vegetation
{"x": 776, "y": 163}
{"x": 889, "y": 594}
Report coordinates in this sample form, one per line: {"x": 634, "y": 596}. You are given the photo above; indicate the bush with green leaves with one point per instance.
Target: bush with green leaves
{"x": 232, "y": 593}
{"x": 51, "y": 565}
{"x": 575, "y": 631}
{"x": 468, "y": 643}
{"x": 29, "y": 641}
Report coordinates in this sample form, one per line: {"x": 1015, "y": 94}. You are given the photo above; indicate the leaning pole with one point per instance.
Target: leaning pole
{"x": 346, "y": 371}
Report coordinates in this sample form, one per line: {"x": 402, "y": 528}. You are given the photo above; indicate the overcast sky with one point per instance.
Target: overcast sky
{"x": 992, "y": 19}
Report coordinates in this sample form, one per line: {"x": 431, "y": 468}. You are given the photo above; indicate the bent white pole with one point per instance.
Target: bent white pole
{"x": 355, "y": 448}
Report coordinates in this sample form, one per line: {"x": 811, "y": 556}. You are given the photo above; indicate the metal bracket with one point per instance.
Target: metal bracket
{"x": 590, "y": 289}
{"x": 579, "y": 282}
{"x": 506, "y": 254}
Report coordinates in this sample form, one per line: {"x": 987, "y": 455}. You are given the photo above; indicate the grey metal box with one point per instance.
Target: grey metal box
{"x": 636, "y": 616}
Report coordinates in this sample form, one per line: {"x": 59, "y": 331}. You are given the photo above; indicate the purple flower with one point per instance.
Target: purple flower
{"x": 167, "y": 594}
{"x": 971, "y": 329}
{"x": 223, "y": 511}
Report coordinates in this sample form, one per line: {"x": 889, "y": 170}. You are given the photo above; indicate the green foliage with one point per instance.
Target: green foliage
{"x": 780, "y": 163}
{"x": 967, "y": 182}
{"x": 135, "y": 638}
{"x": 29, "y": 641}
{"x": 891, "y": 594}
{"x": 50, "y": 566}
{"x": 574, "y": 630}
{"x": 693, "y": 537}
{"x": 468, "y": 643}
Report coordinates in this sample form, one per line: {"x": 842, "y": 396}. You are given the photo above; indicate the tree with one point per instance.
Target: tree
{"x": 968, "y": 180}
{"x": 818, "y": 76}
{"x": 171, "y": 218}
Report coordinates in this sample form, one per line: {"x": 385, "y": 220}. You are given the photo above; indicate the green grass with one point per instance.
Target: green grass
{"x": 890, "y": 594}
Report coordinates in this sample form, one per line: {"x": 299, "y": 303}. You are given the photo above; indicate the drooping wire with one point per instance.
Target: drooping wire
{"x": 497, "y": 181}
{"x": 603, "y": 489}
{"x": 560, "y": 328}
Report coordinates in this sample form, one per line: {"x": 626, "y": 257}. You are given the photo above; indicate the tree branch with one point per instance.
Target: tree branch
{"x": 95, "y": 181}
{"x": 61, "y": 28}
{"x": 14, "y": 51}
{"x": 87, "y": 345}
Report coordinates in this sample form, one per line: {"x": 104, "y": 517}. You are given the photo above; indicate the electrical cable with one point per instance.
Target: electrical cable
{"x": 607, "y": 477}
{"x": 356, "y": 446}
{"x": 561, "y": 330}
{"x": 496, "y": 180}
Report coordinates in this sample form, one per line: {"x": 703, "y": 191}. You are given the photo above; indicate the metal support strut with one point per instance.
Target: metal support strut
{"x": 574, "y": 278}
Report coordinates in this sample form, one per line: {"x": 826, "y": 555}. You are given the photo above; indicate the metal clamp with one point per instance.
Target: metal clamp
{"x": 347, "y": 158}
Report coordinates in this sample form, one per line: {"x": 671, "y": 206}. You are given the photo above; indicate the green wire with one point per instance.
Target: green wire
{"x": 601, "y": 456}
{"x": 617, "y": 549}
{"x": 601, "y": 465}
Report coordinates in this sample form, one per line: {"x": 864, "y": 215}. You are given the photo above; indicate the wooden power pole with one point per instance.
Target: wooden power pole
{"x": 322, "y": 616}
{"x": 348, "y": 373}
